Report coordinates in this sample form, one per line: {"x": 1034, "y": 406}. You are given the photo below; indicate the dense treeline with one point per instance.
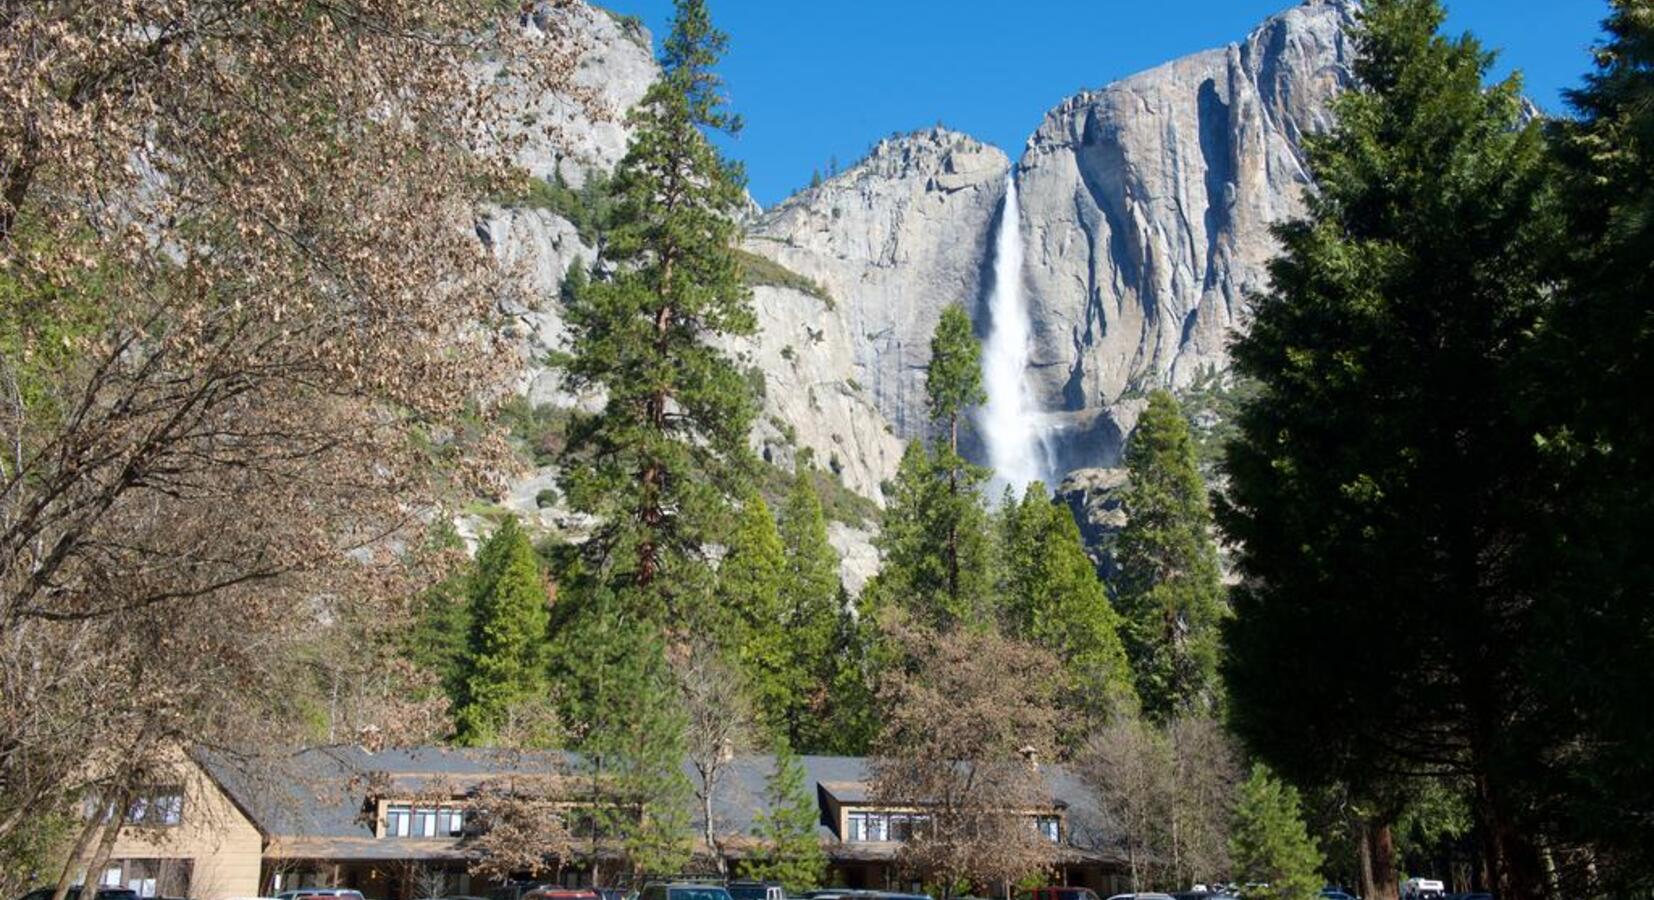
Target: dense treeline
{"x": 1436, "y": 492}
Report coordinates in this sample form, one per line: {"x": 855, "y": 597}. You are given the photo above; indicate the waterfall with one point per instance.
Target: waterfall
{"x": 1008, "y": 422}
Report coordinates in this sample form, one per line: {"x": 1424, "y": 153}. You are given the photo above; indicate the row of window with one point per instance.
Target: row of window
{"x": 151, "y": 807}
{"x": 409, "y": 821}
{"x": 423, "y": 821}
{"x": 878, "y": 826}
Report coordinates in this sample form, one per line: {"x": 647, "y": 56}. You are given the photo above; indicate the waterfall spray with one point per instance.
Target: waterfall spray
{"x": 1009, "y": 423}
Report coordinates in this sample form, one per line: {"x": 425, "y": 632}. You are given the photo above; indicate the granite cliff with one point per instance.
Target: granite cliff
{"x": 1146, "y": 208}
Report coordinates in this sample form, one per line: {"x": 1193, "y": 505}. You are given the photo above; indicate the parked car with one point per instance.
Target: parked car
{"x": 756, "y": 890}
{"x": 1206, "y": 894}
{"x": 556, "y": 892}
{"x": 103, "y": 893}
{"x": 1141, "y": 897}
{"x": 320, "y": 893}
{"x": 683, "y": 890}
{"x": 1059, "y": 893}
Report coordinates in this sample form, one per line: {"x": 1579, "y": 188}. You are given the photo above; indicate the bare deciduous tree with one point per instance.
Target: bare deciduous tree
{"x": 1128, "y": 765}
{"x": 718, "y": 726}
{"x": 963, "y": 734}
{"x": 243, "y": 314}
{"x": 520, "y": 828}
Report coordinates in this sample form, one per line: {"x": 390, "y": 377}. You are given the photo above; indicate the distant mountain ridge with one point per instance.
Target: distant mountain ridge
{"x": 1146, "y": 209}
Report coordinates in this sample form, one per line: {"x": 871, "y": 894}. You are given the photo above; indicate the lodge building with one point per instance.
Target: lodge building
{"x": 392, "y": 824}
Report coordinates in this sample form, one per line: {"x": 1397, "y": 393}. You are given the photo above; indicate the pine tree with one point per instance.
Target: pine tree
{"x": 1594, "y": 370}
{"x": 751, "y": 621}
{"x": 936, "y": 541}
{"x": 1269, "y": 844}
{"x": 1381, "y": 487}
{"x": 659, "y": 464}
{"x": 506, "y": 659}
{"x": 789, "y": 851}
{"x": 621, "y": 708}
{"x": 953, "y": 379}
{"x": 811, "y": 605}
{"x": 1170, "y": 592}
{"x": 439, "y": 639}
{"x": 1053, "y": 599}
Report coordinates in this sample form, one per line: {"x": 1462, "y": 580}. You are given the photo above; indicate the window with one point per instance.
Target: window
{"x": 1049, "y": 827}
{"x": 157, "y": 807}
{"x": 873, "y": 826}
{"x": 404, "y": 820}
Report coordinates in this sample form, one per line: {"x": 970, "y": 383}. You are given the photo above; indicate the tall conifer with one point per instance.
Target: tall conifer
{"x": 506, "y": 655}
{"x": 1170, "y": 593}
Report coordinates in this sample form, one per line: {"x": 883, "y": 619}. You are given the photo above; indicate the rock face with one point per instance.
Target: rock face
{"x": 1146, "y": 214}
{"x": 1096, "y": 497}
{"x": 1146, "y": 209}
{"x": 894, "y": 239}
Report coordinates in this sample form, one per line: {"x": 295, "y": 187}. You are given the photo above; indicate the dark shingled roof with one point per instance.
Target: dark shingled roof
{"x": 317, "y": 798}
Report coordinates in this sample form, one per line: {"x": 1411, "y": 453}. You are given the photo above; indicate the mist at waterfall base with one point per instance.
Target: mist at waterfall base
{"x": 1009, "y": 423}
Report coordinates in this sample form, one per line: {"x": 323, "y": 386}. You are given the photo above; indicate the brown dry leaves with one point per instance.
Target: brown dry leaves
{"x": 964, "y": 726}
{"x": 244, "y": 317}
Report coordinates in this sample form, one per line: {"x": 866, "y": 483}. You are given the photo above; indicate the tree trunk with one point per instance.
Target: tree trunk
{"x": 77, "y": 856}
{"x": 1385, "y": 885}
{"x": 106, "y": 845}
{"x": 1364, "y": 857}
{"x": 708, "y": 832}
{"x": 1512, "y": 861}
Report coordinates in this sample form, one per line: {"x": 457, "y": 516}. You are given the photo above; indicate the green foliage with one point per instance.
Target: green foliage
{"x": 750, "y": 615}
{"x": 761, "y": 271}
{"x": 953, "y": 380}
{"x": 1380, "y": 491}
{"x": 812, "y": 606}
{"x": 588, "y": 208}
{"x": 1593, "y": 372}
{"x": 1052, "y": 598}
{"x": 1269, "y": 844}
{"x": 789, "y": 851}
{"x": 439, "y": 641}
{"x": 1212, "y": 404}
{"x": 33, "y": 856}
{"x": 938, "y": 559}
{"x": 1170, "y": 593}
{"x": 838, "y": 502}
{"x": 44, "y": 329}
{"x": 505, "y": 665}
{"x": 539, "y": 433}
{"x": 659, "y": 464}
{"x": 618, "y": 700}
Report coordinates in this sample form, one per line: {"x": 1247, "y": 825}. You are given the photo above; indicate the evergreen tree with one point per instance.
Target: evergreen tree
{"x": 953, "y": 379}
{"x": 1053, "y": 599}
{"x": 789, "y": 851}
{"x": 1594, "y": 370}
{"x": 1269, "y": 844}
{"x": 657, "y": 466}
{"x": 751, "y": 620}
{"x": 936, "y": 540}
{"x": 440, "y": 637}
{"x": 811, "y": 604}
{"x": 621, "y": 709}
{"x": 1170, "y": 592}
{"x": 1380, "y": 489}
{"x": 506, "y": 655}
{"x": 849, "y": 721}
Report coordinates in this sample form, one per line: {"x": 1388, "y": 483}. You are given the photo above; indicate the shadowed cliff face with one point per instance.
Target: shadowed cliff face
{"x": 1146, "y": 209}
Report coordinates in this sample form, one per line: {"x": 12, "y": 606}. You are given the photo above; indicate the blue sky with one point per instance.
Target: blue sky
{"x": 824, "y": 79}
